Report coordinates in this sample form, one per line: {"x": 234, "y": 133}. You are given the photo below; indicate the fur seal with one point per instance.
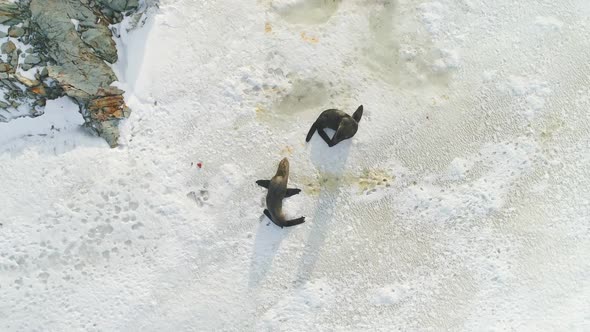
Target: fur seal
{"x": 277, "y": 190}
{"x": 344, "y": 125}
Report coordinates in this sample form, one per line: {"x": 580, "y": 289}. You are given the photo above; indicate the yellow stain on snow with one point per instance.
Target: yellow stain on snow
{"x": 309, "y": 39}
{"x": 287, "y": 150}
{"x": 260, "y": 110}
{"x": 366, "y": 182}
{"x": 267, "y": 27}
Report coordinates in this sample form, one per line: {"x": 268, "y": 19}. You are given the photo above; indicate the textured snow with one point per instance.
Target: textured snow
{"x": 460, "y": 204}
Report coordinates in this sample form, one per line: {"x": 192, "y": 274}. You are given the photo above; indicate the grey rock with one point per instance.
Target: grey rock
{"x": 13, "y": 58}
{"x": 120, "y": 5}
{"x": 107, "y": 12}
{"x": 32, "y": 59}
{"x": 3, "y": 104}
{"x": 72, "y": 61}
{"x": 10, "y": 13}
{"x": 78, "y": 61}
{"x": 16, "y": 32}
{"x": 78, "y": 67}
{"x": 3, "y": 34}
{"x": 102, "y": 43}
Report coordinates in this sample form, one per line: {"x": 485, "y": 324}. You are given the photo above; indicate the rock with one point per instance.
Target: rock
{"x": 120, "y": 5}
{"x": 78, "y": 58}
{"x": 3, "y": 34}
{"x": 16, "y": 32}
{"x": 13, "y": 59}
{"x": 41, "y": 102}
{"x": 103, "y": 44}
{"x": 39, "y": 90}
{"x": 3, "y": 104}
{"x": 4, "y": 67}
{"x": 109, "y": 104}
{"x": 32, "y": 59}
{"x": 109, "y": 130}
{"x": 9, "y": 13}
{"x": 107, "y": 12}
{"x": 27, "y": 82}
{"x": 8, "y": 47}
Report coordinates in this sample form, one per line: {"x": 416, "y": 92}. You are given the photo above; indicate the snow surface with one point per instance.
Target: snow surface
{"x": 461, "y": 204}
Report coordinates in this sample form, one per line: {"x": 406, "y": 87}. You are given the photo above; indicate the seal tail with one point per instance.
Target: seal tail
{"x": 312, "y": 130}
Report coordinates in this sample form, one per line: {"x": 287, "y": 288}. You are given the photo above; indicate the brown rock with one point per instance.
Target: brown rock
{"x": 4, "y": 67}
{"x": 8, "y": 47}
{"x": 107, "y": 108}
{"x": 29, "y": 83}
{"x": 108, "y": 101}
{"x": 39, "y": 90}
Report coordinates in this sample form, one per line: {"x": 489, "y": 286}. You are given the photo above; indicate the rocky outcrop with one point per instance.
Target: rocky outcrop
{"x": 56, "y": 48}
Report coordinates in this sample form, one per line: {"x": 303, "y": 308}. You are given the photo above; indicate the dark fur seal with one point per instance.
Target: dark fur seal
{"x": 344, "y": 125}
{"x": 277, "y": 190}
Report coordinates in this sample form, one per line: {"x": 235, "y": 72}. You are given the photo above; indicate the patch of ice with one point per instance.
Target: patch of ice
{"x": 531, "y": 92}
{"x": 433, "y": 14}
{"x": 389, "y": 295}
{"x": 291, "y": 312}
{"x": 76, "y": 23}
{"x": 448, "y": 60}
{"x": 458, "y": 168}
{"x": 549, "y": 22}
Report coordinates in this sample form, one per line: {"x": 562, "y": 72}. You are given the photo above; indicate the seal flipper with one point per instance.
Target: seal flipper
{"x": 263, "y": 183}
{"x": 294, "y": 222}
{"x": 358, "y": 114}
{"x": 292, "y": 191}
{"x": 312, "y": 130}
{"x": 288, "y": 223}
{"x": 325, "y": 137}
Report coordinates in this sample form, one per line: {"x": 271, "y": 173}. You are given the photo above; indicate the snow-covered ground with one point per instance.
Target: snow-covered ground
{"x": 461, "y": 204}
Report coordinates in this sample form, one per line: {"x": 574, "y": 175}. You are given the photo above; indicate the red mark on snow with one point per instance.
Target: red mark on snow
{"x": 199, "y": 165}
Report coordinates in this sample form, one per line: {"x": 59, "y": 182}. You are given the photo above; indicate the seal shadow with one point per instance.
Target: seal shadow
{"x": 331, "y": 163}
{"x": 268, "y": 240}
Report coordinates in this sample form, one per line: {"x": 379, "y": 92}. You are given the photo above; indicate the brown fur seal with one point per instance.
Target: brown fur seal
{"x": 344, "y": 125}
{"x": 277, "y": 190}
